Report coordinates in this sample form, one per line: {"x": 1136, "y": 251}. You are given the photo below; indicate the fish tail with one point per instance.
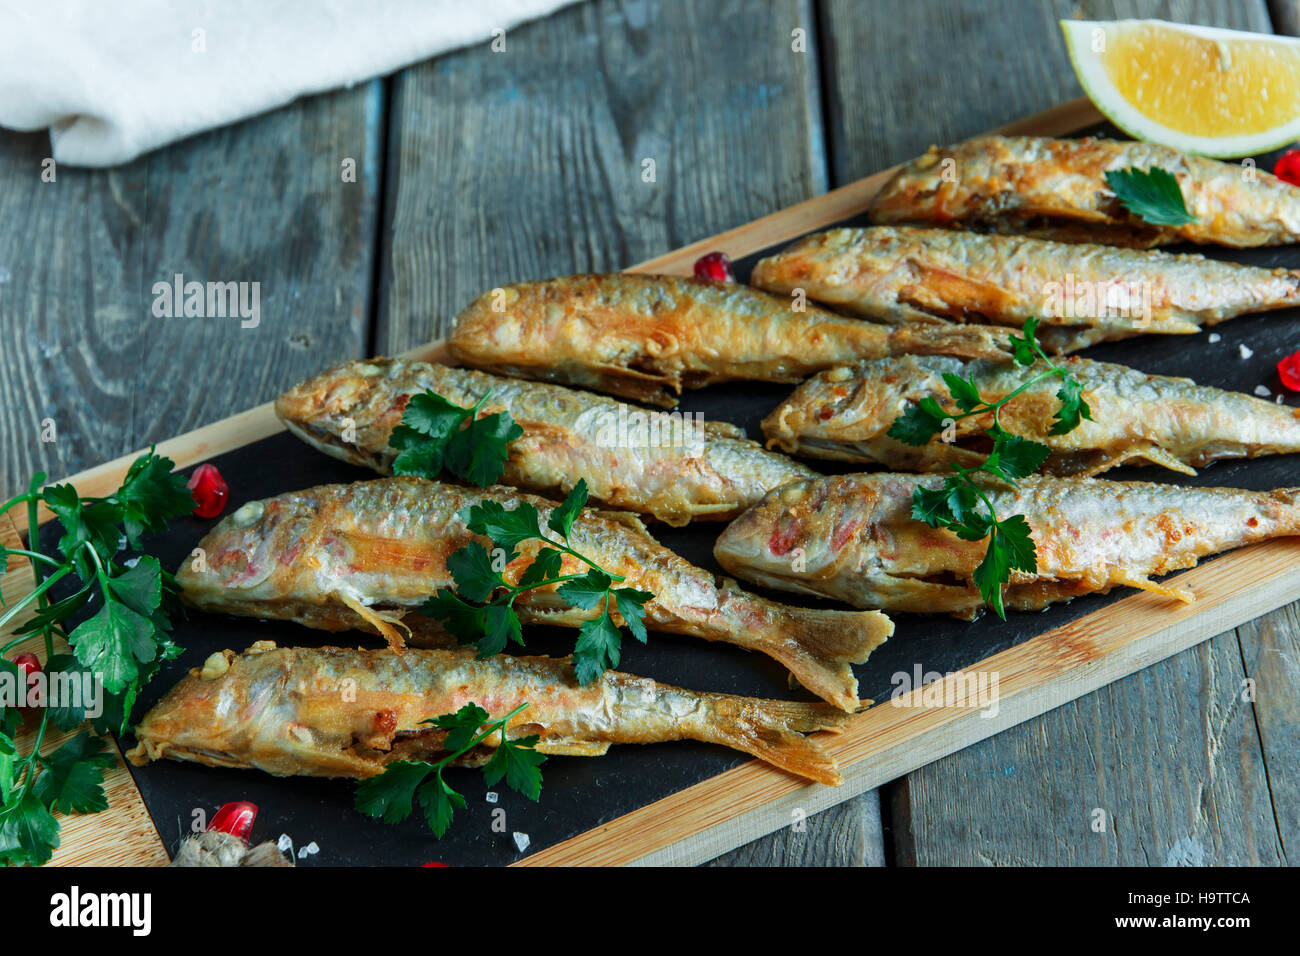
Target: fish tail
{"x": 773, "y": 731}
{"x": 963, "y": 341}
{"x": 817, "y": 645}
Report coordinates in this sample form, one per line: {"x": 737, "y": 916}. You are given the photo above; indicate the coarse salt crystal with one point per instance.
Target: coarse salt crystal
{"x": 311, "y": 849}
{"x": 522, "y": 840}
{"x": 1245, "y": 352}
{"x": 1215, "y": 337}
{"x": 285, "y": 843}
{"x": 1262, "y": 392}
{"x": 490, "y": 796}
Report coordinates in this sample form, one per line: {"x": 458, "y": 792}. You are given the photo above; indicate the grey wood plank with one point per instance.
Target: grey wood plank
{"x": 902, "y": 76}
{"x": 1285, "y": 15}
{"x": 528, "y": 163}
{"x": 1018, "y": 791}
{"x": 260, "y": 202}
{"x": 849, "y": 834}
{"x": 1270, "y": 648}
{"x": 1169, "y": 758}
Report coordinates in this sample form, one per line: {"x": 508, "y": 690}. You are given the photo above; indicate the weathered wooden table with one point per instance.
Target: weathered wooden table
{"x": 480, "y": 168}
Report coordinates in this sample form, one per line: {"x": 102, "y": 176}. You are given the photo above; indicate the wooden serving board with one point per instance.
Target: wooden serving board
{"x": 737, "y": 805}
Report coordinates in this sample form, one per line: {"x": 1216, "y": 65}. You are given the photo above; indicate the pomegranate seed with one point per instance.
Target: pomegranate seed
{"x": 1287, "y": 167}
{"x": 1289, "y": 371}
{"x": 715, "y": 266}
{"x": 422, "y": 865}
{"x": 210, "y": 491}
{"x": 29, "y": 664}
{"x": 235, "y": 818}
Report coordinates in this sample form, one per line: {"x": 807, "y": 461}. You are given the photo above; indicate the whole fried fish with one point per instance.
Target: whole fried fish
{"x": 1082, "y": 294}
{"x": 854, "y": 538}
{"x": 665, "y": 464}
{"x": 844, "y": 415}
{"x": 284, "y": 711}
{"x": 366, "y": 554}
{"x": 648, "y": 337}
{"x": 1056, "y": 188}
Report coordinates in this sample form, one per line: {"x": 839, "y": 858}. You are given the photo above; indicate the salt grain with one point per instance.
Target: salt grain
{"x": 1262, "y": 392}
{"x": 490, "y": 796}
{"x": 522, "y": 840}
{"x": 1214, "y": 337}
{"x": 285, "y": 843}
{"x": 311, "y": 849}
{"x": 1245, "y": 352}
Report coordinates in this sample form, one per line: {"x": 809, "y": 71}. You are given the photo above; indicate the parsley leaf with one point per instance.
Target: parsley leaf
{"x": 391, "y": 794}
{"x": 919, "y": 423}
{"x": 28, "y": 832}
{"x": 1073, "y": 408}
{"x": 1154, "y": 196}
{"x": 435, "y": 434}
{"x": 598, "y": 646}
{"x": 1015, "y": 457}
{"x": 561, "y": 520}
{"x": 506, "y": 527}
{"x": 73, "y": 778}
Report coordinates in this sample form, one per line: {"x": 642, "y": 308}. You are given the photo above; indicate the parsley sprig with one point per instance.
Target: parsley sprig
{"x": 391, "y": 795}
{"x": 435, "y": 434}
{"x": 117, "y": 649}
{"x": 1153, "y": 196}
{"x": 480, "y": 610}
{"x": 956, "y": 504}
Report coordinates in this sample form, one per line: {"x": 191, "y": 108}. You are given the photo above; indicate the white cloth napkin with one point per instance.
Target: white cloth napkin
{"x": 116, "y": 78}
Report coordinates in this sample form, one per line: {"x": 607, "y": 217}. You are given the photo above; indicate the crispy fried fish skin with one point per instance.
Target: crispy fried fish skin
{"x": 648, "y": 337}
{"x": 365, "y": 555}
{"x": 856, "y": 540}
{"x": 845, "y": 414}
{"x": 1081, "y": 293}
{"x": 335, "y": 712}
{"x": 1056, "y": 188}
{"x": 663, "y": 464}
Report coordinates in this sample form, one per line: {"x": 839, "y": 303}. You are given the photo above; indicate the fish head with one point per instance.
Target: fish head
{"x": 801, "y": 532}
{"x": 341, "y": 411}
{"x": 215, "y": 708}
{"x": 236, "y": 561}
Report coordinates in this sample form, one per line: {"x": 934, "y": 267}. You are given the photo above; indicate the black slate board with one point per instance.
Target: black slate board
{"x": 581, "y": 793}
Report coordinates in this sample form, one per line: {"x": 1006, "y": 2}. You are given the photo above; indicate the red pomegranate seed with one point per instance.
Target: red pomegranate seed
{"x": 210, "y": 491}
{"x": 29, "y": 664}
{"x": 235, "y": 818}
{"x": 1287, "y": 167}
{"x": 715, "y": 266}
{"x": 1289, "y": 371}
{"x": 422, "y": 865}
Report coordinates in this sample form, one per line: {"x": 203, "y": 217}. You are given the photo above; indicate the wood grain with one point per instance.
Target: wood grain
{"x": 528, "y": 163}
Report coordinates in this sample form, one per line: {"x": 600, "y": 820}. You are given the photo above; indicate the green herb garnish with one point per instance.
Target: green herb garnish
{"x": 392, "y": 795}
{"x": 1153, "y": 196}
{"x": 120, "y": 647}
{"x": 435, "y": 434}
{"x": 480, "y": 610}
{"x": 955, "y": 505}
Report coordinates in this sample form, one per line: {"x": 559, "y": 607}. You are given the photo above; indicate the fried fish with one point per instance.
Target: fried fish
{"x": 853, "y": 538}
{"x": 366, "y": 555}
{"x": 668, "y": 465}
{"x": 648, "y": 337}
{"x": 1082, "y": 294}
{"x": 844, "y": 415}
{"x": 285, "y": 711}
{"x": 1056, "y": 188}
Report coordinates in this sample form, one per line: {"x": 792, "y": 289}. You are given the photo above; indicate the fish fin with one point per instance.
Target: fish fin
{"x": 953, "y": 295}
{"x": 571, "y": 747}
{"x": 386, "y": 625}
{"x": 1146, "y": 451}
{"x": 1134, "y": 580}
{"x": 818, "y": 645}
{"x": 772, "y": 731}
{"x": 627, "y": 519}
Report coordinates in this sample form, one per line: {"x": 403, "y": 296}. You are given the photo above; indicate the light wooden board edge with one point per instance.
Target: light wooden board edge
{"x": 891, "y": 740}
{"x": 882, "y": 744}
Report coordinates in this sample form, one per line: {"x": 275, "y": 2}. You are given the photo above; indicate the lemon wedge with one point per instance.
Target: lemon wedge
{"x": 1198, "y": 89}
